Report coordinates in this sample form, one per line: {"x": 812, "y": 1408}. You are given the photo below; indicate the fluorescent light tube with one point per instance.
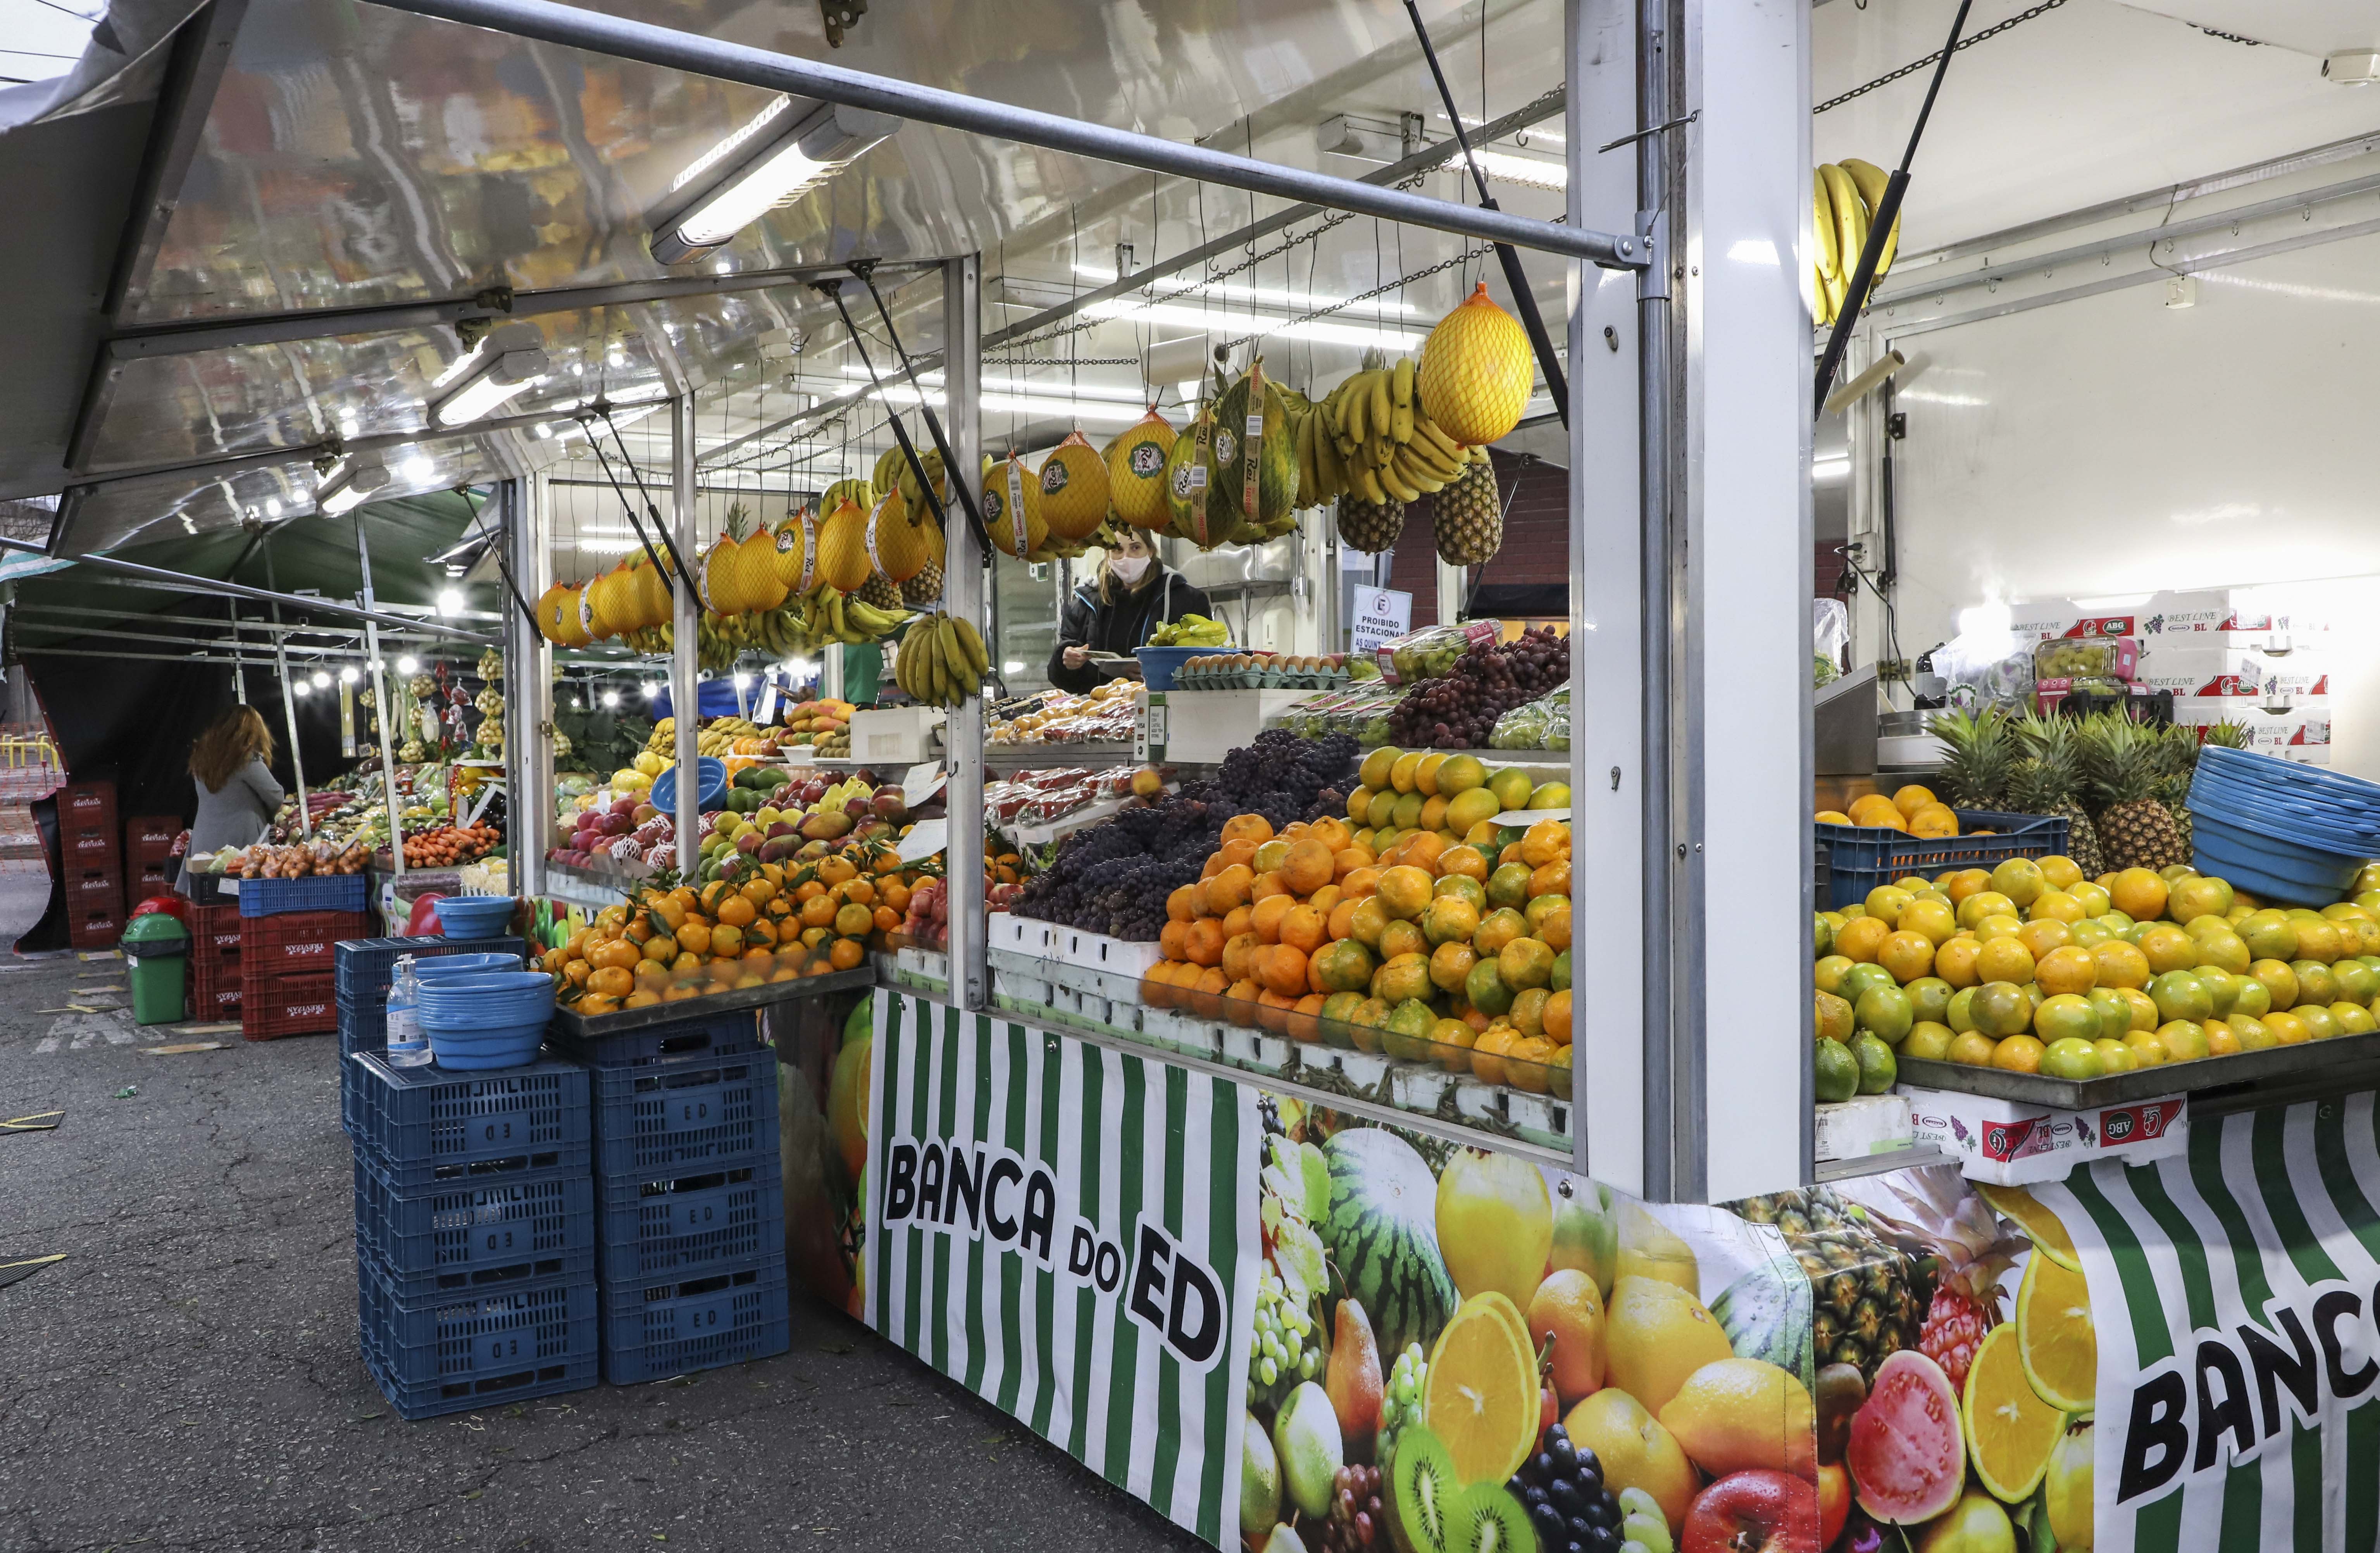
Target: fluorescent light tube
{"x": 351, "y": 486}
{"x": 777, "y": 169}
{"x": 505, "y": 362}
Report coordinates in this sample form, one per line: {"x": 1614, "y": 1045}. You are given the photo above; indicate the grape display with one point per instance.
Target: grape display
{"x": 1285, "y": 1351}
{"x": 1563, "y": 1487}
{"x": 1459, "y": 710}
{"x": 1113, "y": 878}
{"x": 1401, "y": 1399}
{"x": 1358, "y": 1523}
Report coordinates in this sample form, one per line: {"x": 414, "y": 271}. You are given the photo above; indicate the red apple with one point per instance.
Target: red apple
{"x": 1754, "y": 1512}
{"x": 1834, "y": 1502}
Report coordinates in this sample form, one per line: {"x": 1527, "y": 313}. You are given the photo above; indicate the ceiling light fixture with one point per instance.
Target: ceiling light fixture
{"x": 611, "y": 698}
{"x": 356, "y": 479}
{"x": 409, "y": 665}
{"x": 347, "y": 675}
{"x": 322, "y": 679}
{"x": 450, "y": 601}
{"x": 299, "y": 685}
{"x": 507, "y": 361}
{"x": 770, "y": 162}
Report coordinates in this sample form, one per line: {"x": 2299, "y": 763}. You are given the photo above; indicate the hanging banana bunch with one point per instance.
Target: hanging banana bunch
{"x": 1844, "y": 197}
{"x": 1369, "y": 439}
{"x": 942, "y": 661}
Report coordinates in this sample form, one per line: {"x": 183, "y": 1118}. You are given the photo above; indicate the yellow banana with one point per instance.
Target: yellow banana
{"x": 1828, "y": 253}
{"x": 1850, "y": 217}
{"x": 1361, "y": 481}
{"x": 1400, "y": 490}
{"x": 1400, "y": 383}
{"x": 978, "y": 656}
{"x": 1870, "y": 180}
{"x": 1381, "y": 405}
{"x": 1426, "y": 429}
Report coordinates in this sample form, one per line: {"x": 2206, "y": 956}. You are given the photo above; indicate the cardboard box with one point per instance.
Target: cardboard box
{"x": 1864, "y": 1126}
{"x": 2007, "y": 1144}
{"x": 2190, "y": 669}
{"x": 2303, "y": 732}
{"x": 2244, "y": 617}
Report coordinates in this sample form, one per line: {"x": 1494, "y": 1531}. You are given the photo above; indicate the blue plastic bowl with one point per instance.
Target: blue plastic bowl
{"x": 2268, "y": 866}
{"x": 474, "y": 916}
{"x": 512, "y": 1046}
{"x": 2303, "y": 819}
{"x": 1158, "y": 665}
{"x": 710, "y": 785}
{"x": 487, "y": 1010}
{"x": 446, "y": 967}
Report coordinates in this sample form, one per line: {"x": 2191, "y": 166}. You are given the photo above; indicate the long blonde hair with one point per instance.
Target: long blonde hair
{"x": 235, "y": 738}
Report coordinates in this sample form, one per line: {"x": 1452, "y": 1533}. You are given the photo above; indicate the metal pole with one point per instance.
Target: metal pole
{"x": 1661, "y": 621}
{"x": 572, "y": 28}
{"x": 238, "y": 680}
{"x": 261, "y": 595}
{"x": 380, "y": 701}
{"x": 963, "y": 596}
{"x": 288, "y": 708}
{"x": 529, "y": 691}
{"x": 685, "y": 616}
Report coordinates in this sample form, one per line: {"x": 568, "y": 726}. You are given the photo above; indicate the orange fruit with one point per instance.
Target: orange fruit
{"x": 1282, "y": 969}
{"x": 2120, "y": 964}
{"x": 1557, "y": 1017}
{"x": 1229, "y": 887}
{"x": 2018, "y": 1054}
{"x": 854, "y": 921}
{"x": 2066, "y": 969}
{"x": 1551, "y": 879}
{"x": 1264, "y": 920}
{"x": 1955, "y": 961}
{"x": 1861, "y": 938}
{"x": 1254, "y": 829}
{"x": 2042, "y": 935}
{"x": 1487, "y": 1052}
{"x": 1304, "y": 1023}
{"x": 1480, "y": 1397}
{"x": 1450, "y": 964}
{"x": 1404, "y": 891}
{"x": 846, "y": 954}
{"x": 1303, "y": 927}
{"x": 1239, "y": 952}
{"x": 2002, "y": 960}
{"x": 2139, "y": 895}
{"x": 1238, "y": 920}
{"x": 2167, "y": 947}
{"x": 1343, "y": 965}
{"x": 1907, "y": 955}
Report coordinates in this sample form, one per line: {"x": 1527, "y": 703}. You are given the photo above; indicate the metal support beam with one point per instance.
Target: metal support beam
{"x": 528, "y": 689}
{"x": 380, "y": 704}
{"x": 964, "y": 591}
{"x": 289, "y": 708}
{"x": 211, "y": 468}
{"x": 261, "y": 595}
{"x": 571, "y": 27}
{"x": 685, "y": 621}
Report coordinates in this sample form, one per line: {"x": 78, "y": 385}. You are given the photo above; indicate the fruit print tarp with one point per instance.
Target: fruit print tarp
{"x": 2238, "y": 1364}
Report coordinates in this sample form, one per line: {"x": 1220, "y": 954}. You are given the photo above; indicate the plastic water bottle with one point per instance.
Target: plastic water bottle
{"x": 407, "y": 1046}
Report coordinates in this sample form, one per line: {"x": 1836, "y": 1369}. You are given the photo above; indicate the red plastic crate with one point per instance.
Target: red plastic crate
{"x": 96, "y": 928}
{"x": 83, "y": 804}
{"x": 144, "y": 879}
{"x": 216, "y": 994}
{"x": 289, "y": 1005}
{"x": 150, "y": 837}
{"x": 100, "y": 892}
{"x": 298, "y": 942}
{"x": 91, "y": 852}
{"x": 215, "y": 933}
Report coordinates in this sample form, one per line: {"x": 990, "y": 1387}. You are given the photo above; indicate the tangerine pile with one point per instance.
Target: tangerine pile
{"x": 1439, "y": 949}
{"x": 2032, "y": 968}
{"x": 763, "y": 923}
{"x": 1913, "y": 809}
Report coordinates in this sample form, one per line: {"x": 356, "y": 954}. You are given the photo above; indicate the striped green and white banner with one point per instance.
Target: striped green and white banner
{"x": 2234, "y": 1291}
{"x": 1071, "y": 1233}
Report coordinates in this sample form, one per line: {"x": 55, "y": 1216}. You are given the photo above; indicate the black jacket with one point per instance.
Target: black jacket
{"x": 1121, "y": 627}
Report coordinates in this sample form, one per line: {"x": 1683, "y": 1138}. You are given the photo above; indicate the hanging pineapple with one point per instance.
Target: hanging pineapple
{"x": 1371, "y": 526}
{"x": 1466, "y": 519}
{"x": 925, "y": 584}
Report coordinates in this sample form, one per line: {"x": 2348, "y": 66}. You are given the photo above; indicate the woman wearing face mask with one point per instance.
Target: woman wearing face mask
{"x": 1132, "y": 596}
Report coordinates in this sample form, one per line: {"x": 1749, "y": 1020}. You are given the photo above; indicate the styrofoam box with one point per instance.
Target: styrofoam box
{"x": 899, "y": 736}
{"x": 1863, "y": 1125}
{"x": 2303, "y": 732}
{"x": 2186, "y": 668}
{"x": 1202, "y": 1036}
{"x": 1542, "y": 1114}
{"x": 1417, "y": 1086}
{"x": 2011, "y": 1145}
{"x": 1255, "y": 1048}
{"x": 1026, "y": 989}
{"x": 1100, "y": 952}
{"x": 1022, "y": 935}
{"x": 1478, "y": 1099}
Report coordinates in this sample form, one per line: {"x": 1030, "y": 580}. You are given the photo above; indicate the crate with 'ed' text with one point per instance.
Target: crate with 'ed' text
{"x": 699, "y": 1322}
{"x": 271, "y": 1007}
{"x": 426, "y": 1125}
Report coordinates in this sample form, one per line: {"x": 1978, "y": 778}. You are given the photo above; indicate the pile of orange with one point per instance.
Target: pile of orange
{"x": 765, "y": 924}
{"x": 1446, "y": 949}
{"x": 1913, "y": 809}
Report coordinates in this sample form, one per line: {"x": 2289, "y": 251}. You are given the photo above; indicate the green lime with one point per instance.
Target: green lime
{"x": 1839, "y": 1072}
{"x": 1884, "y": 1012}
{"x": 1876, "y": 1067}
{"x": 1824, "y": 941}
{"x": 1860, "y": 979}
{"x": 2115, "y": 1012}
{"x": 1959, "y": 1013}
{"x": 2222, "y": 990}
{"x": 1929, "y": 997}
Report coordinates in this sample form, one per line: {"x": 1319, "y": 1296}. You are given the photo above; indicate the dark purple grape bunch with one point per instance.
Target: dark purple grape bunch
{"x": 1357, "y": 1522}
{"x": 1562, "y": 1487}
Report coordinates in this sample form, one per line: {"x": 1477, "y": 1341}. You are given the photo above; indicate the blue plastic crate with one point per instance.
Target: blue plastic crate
{"x": 472, "y": 1234}
{"x": 425, "y": 1125}
{"x": 673, "y": 1119}
{"x": 275, "y": 897}
{"x": 672, "y": 1229}
{"x": 732, "y": 1034}
{"x": 656, "y": 1331}
{"x": 365, "y": 965}
{"x": 449, "y": 1352}
{"x": 1860, "y": 857}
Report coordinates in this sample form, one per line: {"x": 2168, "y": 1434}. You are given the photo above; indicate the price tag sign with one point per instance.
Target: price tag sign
{"x": 1148, "y": 730}
{"x": 926, "y": 838}
{"x": 1382, "y": 615}
{"x": 923, "y": 780}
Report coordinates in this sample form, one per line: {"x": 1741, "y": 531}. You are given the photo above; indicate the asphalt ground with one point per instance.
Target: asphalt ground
{"x": 188, "y": 1377}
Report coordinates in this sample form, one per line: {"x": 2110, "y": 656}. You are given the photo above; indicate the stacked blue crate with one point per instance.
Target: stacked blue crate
{"x": 689, "y": 1196}
{"x": 362, "y": 968}
{"x": 476, "y": 1232}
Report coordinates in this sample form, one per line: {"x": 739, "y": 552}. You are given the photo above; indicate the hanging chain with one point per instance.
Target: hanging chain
{"x": 2019, "y": 18}
{"x": 1466, "y": 257}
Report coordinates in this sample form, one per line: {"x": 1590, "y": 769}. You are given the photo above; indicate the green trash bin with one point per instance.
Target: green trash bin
{"x": 156, "y": 958}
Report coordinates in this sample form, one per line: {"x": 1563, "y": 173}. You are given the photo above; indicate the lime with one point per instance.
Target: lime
{"x": 1959, "y": 1015}
{"x": 1837, "y": 1071}
{"x": 2354, "y": 1019}
{"x": 1876, "y": 1067}
{"x": 1560, "y": 982}
{"x": 2068, "y": 1019}
{"x": 2358, "y": 983}
{"x": 1862, "y": 979}
{"x": 2222, "y": 989}
{"x": 2001, "y": 1009}
{"x": 2250, "y": 1032}
{"x": 1929, "y": 996}
{"x": 2253, "y": 999}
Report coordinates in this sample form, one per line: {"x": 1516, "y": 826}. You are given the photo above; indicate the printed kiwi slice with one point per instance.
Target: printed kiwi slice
{"x": 1485, "y": 1518}
{"x": 1424, "y": 1489}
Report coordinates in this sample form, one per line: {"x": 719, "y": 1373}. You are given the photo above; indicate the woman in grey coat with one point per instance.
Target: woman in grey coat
{"x": 237, "y": 798}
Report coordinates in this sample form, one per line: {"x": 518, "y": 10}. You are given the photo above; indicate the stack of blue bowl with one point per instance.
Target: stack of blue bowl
{"x": 474, "y": 916}
{"x": 2279, "y": 829}
{"x": 493, "y": 1019}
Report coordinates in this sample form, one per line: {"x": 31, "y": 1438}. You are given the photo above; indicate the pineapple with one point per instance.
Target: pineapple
{"x": 1868, "y": 1293}
{"x": 1975, "y": 770}
{"x": 1954, "y": 1236}
{"x": 880, "y": 591}
{"x": 1371, "y": 526}
{"x": 926, "y": 587}
{"x": 2125, "y": 772}
{"x": 1466, "y": 517}
{"x": 2048, "y": 786}
{"x": 2177, "y": 749}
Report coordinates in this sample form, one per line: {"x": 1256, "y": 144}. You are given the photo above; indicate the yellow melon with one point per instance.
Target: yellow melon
{"x": 1476, "y": 370}
{"x": 1135, "y": 462}
{"x": 721, "y": 592}
{"x": 1073, "y": 489}
{"x": 754, "y": 565}
{"x": 557, "y": 615}
{"x": 796, "y": 540}
{"x": 895, "y": 545}
{"x": 1012, "y": 509}
{"x": 843, "y": 548}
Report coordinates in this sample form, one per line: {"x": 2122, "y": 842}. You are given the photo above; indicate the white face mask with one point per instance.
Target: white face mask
{"x": 1128, "y": 568}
